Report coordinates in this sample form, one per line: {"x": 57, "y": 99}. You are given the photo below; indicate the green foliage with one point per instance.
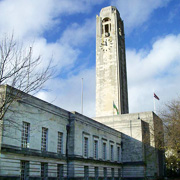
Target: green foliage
{"x": 172, "y": 166}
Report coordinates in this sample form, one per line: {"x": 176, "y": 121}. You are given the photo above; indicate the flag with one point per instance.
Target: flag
{"x": 156, "y": 96}
{"x": 114, "y": 106}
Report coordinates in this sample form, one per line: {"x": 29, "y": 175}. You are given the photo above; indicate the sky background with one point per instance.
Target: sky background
{"x": 66, "y": 30}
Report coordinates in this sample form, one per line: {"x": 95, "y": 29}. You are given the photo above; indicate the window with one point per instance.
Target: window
{"x": 60, "y": 143}
{"x": 119, "y": 174}
{"x": 24, "y": 170}
{"x": 106, "y": 28}
{"x": 105, "y": 20}
{"x": 95, "y": 149}
{"x": 105, "y": 173}
{"x": 96, "y": 172}
{"x": 44, "y": 139}
{"x": 118, "y": 154}
{"x": 25, "y": 135}
{"x": 112, "y": 153}
{"x": 85, "y": 146}
{"x": 86, "y": 172}
{"x": 112, "y": 173}
{"x": 60, "y": 171}
{"x": 44, "y": 171}
{"x": 104, "y": 150}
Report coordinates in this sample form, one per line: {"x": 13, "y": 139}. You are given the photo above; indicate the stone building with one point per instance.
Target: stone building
{"x": 41, "y": 141}
{"x": 142, "y": 133}
{"x": 111, "y": 77}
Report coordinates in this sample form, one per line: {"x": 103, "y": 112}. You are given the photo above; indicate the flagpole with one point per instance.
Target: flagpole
{"x": 154, "y": 103}
{"x": 82, "y": 98}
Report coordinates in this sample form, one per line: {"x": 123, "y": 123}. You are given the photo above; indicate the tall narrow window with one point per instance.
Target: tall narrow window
{"x": 24, "y": 170}
{"x": 104, "y": 151}
{"x": 96, "y": 172}
{"x": 44, "y": 171}
{"x": 106, "y": 28}
{"x": 119, "y": 174}
{"x": 85, "y": 146}
{"x": 60, "y": 143}
{"x": 60, "y": 171}
{"x": 86, "y": 172}
{"x": 118, "y": 154}
{"x": 44, "y": 139}
{"x": 112, "y": 153}
{"x": 112, "y": 173}
{"x": 25, "y": 135}
{"x": 105, "y": 173}
{"x": 95, "y": 149}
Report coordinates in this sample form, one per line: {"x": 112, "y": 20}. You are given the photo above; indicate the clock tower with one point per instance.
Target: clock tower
{"x": 111, "y": 76}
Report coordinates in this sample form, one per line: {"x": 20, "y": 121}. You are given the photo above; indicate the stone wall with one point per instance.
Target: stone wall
{"x": 142, "y": 133}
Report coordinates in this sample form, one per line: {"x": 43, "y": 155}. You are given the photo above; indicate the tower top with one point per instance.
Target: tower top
{"x": 108, "y": 10}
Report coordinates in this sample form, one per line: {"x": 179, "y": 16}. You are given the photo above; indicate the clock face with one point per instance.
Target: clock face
{"x": 106, "y": 34}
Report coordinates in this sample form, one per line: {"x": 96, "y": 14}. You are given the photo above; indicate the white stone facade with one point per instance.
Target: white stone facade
{"x": 142, "y": 139}
{"x": 74, "y": 127}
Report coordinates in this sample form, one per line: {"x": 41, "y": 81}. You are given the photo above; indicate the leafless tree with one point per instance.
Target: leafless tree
{"x": 20, "y": 71}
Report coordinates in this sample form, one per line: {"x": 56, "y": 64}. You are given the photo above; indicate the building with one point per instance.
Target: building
{"x": 111, "y": 77}
{"x": 142, "y": 133}
{"x": 41, "y": 141}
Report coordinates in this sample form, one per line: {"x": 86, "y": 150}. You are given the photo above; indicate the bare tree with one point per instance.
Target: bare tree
{"x": 171, "y": 120}
{"x": 20, "y": 70}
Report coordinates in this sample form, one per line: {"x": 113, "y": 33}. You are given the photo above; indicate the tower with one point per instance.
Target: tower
{"x": 111, "y": 76}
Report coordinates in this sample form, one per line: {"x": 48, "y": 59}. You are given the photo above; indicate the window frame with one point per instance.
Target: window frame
{"x": 44, "y": 139}
{"x": 96, "y": 173}
{"x": 118, "y": 153}
{"x": 96, "y": 148}
{"x": 25, "y": 135}
{"x": 112, "y": 173}
{"x": 111, "y": 152}
{"x": 60, "y": 171}
{"x": 85, "y": 145}
{"x": 104, "y": 150}
{"x": 86, "y": 172}
{"x": 44, "y": 170}
{"x": 24, "y": 170}
{"x": 60, "y": 143}
{"x": 105, "y": 173}
{"x": 119, "y": 173}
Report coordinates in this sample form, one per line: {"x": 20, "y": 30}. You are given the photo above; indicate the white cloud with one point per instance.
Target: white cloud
{"x": 146, "y": 70}
{"x": 78, "y": 35}
{"x": 66, "y": 93}
{"x": 153, "y": 70}
{"x": 33, "y": 17}
{"x": 63, "y": 55}
{"x": 29, "y": 19}
{"x": 136, "y": 12}
{"x": 157, "y": 68}
{"x": 26, "y": 17}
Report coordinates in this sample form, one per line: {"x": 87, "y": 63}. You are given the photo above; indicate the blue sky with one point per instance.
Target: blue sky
{"x": 65, "y": 30}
